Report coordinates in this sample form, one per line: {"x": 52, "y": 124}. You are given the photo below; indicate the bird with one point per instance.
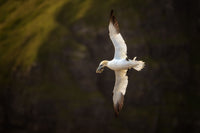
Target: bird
{"x": 119, "y": 64}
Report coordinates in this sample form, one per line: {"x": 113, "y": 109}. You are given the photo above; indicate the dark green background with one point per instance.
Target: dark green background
{"x": 49, "y": 52}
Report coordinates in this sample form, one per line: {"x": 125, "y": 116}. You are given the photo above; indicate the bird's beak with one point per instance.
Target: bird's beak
{"x": 99, "y": 69}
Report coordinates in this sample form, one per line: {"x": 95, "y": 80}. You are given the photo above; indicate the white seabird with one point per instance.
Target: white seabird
{"x": 120, "y": 64}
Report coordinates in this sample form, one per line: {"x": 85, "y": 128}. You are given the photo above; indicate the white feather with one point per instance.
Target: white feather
{"x": 121, "y": 82}
{"x": 140, "y": 64}
{"x": 118, "y": 42}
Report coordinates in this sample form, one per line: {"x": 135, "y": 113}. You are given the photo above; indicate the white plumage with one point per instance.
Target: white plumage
{"x": 120, "y": 64}
{"x": 119, "y": 44}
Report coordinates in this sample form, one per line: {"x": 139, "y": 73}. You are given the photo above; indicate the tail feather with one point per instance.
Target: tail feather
{"x": 140, "y": 64}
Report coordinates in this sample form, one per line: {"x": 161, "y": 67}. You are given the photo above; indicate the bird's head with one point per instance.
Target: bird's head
{"x": 103, "y": 64}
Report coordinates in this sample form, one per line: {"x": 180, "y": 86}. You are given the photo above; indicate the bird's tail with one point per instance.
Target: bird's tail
{"x": 140, "y": 64}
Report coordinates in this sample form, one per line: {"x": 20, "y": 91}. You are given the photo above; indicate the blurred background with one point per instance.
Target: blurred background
{"x": 49, "y": 52}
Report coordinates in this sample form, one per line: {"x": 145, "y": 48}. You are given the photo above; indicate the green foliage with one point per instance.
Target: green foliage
{"x": 24, "y": 30}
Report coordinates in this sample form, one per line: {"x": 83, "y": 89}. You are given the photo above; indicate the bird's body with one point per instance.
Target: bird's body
{"x": 120, "y": 64}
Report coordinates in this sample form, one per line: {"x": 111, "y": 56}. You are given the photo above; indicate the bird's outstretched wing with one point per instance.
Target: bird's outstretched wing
{"x": 117, "y": 40}
{"x": 121, "y": 82}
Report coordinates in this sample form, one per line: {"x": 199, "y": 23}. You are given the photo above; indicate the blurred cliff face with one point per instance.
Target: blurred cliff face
{"x": 49, "y": 52}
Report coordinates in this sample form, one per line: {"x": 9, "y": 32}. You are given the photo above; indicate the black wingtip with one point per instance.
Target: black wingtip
{"x": 119, "y": 105}
{"x": 116, "y": 115}
{"x": 112, "y": 17}
{"x": 111, "y": 12}
{"x": 113, "y": 20}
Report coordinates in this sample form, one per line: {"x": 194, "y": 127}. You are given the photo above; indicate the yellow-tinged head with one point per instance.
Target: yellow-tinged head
{"x": 103, "y": 64}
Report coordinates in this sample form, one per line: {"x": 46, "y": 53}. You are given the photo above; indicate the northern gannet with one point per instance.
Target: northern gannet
{"x": 120, "y": 64}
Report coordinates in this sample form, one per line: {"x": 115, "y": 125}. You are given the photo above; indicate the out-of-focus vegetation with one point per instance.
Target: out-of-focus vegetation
{"x": 49, "y": 51}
